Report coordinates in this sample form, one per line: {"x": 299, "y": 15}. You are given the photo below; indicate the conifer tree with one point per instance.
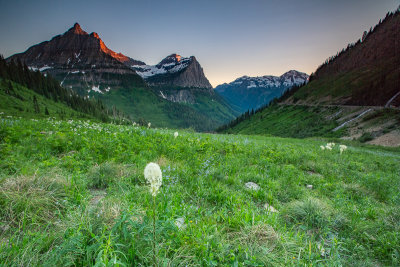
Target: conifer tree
{"x": 36, "y": 105}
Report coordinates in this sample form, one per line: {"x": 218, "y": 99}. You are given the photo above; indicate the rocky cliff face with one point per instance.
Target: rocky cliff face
{"x": 252, "y": 92}
{"x": 80, "y": 61}
{"x": 176, "y": 78}
{"x": 175, "y": 70}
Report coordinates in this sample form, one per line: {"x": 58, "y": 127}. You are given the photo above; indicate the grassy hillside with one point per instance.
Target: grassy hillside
{"x": 73, "y": 193}
{"x": 288, "y": 121}
{"x": 20, "y": 103}
{"x": 376, "y": 126}
{"x": 142, "y": 104}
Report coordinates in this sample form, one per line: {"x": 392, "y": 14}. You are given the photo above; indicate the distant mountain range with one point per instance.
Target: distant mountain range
{"x": 174, "y": 93}
{"x": 252, "y": 92}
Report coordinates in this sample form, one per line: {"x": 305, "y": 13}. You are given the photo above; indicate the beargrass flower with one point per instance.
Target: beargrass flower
{"x": 153, "y": 175}
{"x": 342, "y": 148}
{"x": 322, "y": 147}
{"x": 329, "y": 146}
{"x": 149, "y": 125}
{"x": 176, "y": 134}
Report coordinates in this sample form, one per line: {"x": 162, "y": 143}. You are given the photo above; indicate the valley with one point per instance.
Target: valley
{"x": 255, "y": 157}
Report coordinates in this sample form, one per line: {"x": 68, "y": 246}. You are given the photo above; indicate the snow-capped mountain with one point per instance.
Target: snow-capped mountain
{"x": 252, "y": 92}
{"x": 174, "y": 71}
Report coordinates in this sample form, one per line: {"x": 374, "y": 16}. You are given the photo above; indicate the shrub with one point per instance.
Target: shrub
{"x": 312, "y": 212}
{"x": 100, "y": 176}
{"x": 365, "y": 137}
{"x": 31, "y": 199}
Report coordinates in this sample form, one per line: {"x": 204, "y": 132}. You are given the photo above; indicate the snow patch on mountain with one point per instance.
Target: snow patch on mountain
{"x": 167, "y": 66}
{"x": 45, "y": 67}
{"x": 95, "y": 89}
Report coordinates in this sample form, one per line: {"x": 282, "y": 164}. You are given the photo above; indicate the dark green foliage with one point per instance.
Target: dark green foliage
{"x": 36, "y": 105}
{"x": 366, "y": 137}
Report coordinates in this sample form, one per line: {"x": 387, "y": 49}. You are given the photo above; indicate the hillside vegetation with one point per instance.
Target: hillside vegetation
{"x": 73, "y": 193}
{"x": 31, "y": 94}
{"x": 366, "y": 73}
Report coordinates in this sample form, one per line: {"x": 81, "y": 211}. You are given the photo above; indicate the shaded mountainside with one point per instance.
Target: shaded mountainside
{"x": 366, "y": 73}
{"x": 180, "y": 96}
{"x": 353, "y": 95}
{"x": 253, "y": 92}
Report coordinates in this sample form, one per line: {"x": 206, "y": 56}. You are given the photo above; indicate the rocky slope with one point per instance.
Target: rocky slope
{"x": 176, "y": 78}
{"x": 252, "y": 92}
{"x": 175, "y": 70}
{"x": 81, "y": 61}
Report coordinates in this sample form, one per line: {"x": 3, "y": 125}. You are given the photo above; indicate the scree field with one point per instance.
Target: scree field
{"x": 73, "y": 193}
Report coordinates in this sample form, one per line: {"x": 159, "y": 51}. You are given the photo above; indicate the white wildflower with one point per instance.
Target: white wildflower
{"x": 342, "y": 148}
{"x": 180, "y": 223}
{"x": 149, "y": 125}
{"x": 176, "y": 134}
{"x": 153, "y": 175}
{"x": 269, "y": 208}
{"x": 322, "y": 147}
{"x": 329, "y": 146}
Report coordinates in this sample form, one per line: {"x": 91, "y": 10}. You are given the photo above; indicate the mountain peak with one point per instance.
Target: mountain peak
{"x": 176, "y": 57}
{"x": 76, "y": 29}
{"x": 95, "y": 35}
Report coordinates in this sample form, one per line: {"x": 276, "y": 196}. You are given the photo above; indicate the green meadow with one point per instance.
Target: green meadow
{"x": 73, "y": 193}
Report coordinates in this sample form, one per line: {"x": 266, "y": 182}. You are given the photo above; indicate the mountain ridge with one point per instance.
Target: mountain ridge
{"x": 252, "y": 92}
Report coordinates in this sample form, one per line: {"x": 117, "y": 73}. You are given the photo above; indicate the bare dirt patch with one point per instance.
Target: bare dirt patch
{"x": 390, "y": 139}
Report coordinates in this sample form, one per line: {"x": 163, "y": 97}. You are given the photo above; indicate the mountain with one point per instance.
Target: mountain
{"x": 252, "y": 92}
{"x": 177, "y": 96}
{"x": 181, "y": 80}
{"x": 81, "y": 61}
{"x": 353, "y": 95}
{"x": 177, "y": 79}
{"x": 366, "y": 73}
{"x": 175, "y": 70}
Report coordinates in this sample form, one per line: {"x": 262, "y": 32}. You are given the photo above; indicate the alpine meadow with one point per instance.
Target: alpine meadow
{"x": 106, "y": 160}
